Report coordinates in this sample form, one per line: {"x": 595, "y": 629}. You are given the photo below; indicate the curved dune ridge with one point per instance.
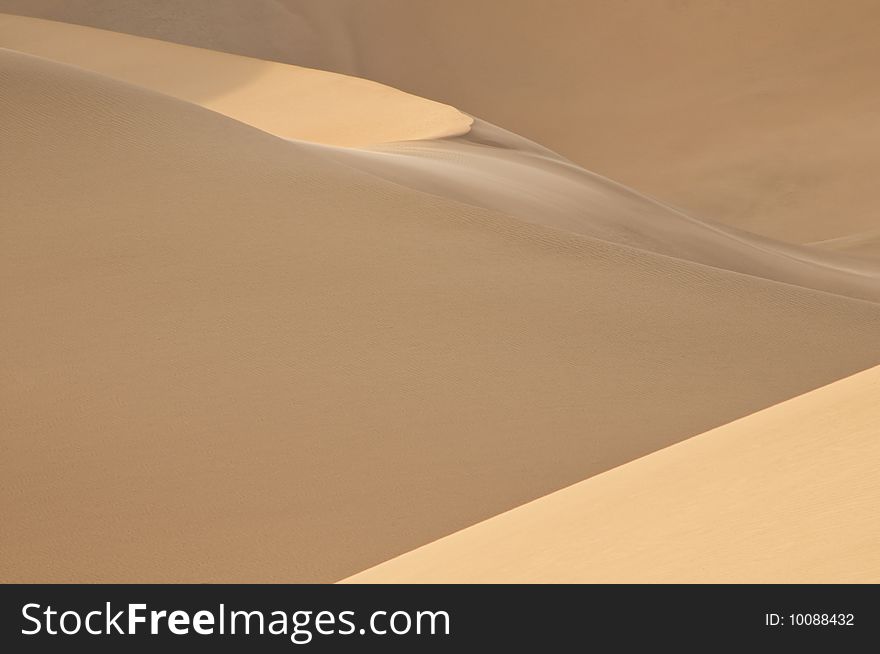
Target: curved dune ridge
{"x": 864, "y": 244}
{"x": 269, "y": 323}
{"x": 761, "y": 115}
{"x": 228, "y": 357}
{"x": 493, "y": 169}
{"x": 487, "y": 167}
{"x": 787, "y": 495}
{"x": 285, "y": 100}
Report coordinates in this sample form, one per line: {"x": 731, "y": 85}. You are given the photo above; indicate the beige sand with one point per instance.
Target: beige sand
{"x": 762, "y": 115}
{"x": 490, "y": 168}
{"x": 487, "y": 167}
{"x": 226, "y": 357}
{"x": 864, "y": 244}
{"x": 787, "y": 495}
{"x": 285, "y": 100}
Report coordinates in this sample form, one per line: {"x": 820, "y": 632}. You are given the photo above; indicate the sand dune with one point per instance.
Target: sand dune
{"x": 228, "y": 357}
{"x": 761, "y": 115}
{"x": 490, "y": 168}
{"x": 864, "y": 244}
{"x": 487, "y": 167}
{"x": 786, "y": 495}
{"x": 285, "y": 100}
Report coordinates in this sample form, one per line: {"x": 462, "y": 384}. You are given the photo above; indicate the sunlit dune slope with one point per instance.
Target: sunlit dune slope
{"x": 488, "y": 167}
{"x": 226, "y": 357}
{"x": 787, "y": 495}
{"x": 762, "y": 115}
{"x": 285, "y": 100}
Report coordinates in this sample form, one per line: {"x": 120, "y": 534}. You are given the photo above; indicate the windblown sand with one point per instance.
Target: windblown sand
{"x": 267, "y": 323}
{"x": 286, "y": 100}
{"x": 787, "y": 495}
{"x": 485, "y": 166}
{"x": 761, "y": 115}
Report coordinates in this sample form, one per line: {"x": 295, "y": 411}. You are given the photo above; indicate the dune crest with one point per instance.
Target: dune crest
{"x": 285, "y": 100}
{"x": 229, "y": 358}
{"x": 760, "y": 115}
{"x": 862, "y": 244}
{"x": 494, "y": 169}
{"x": 787, "y": 495}
{"x": 487, "y": 167}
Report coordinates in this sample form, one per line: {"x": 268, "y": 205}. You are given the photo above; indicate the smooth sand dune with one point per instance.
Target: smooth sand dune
{"x": 285, "y": 100}
{"x": 284, "y": 348}
{"x": 762, "y": 115}
{"x": 493, "y": 169}
{"x": 488, "y": 167}
{"x": 787, "y": 495}
{"x": 865, "y": 244}
{"x": 226, "y": 357}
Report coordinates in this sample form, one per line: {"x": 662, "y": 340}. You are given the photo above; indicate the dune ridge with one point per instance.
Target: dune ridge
{"x": 282, "y": 99}
{"x": 201, "y": 311}
{"x": 493, "y": 169}
{"x": 488, "y": 167}
{"x": 760, "y": 115}
{"x": 786, "y": 495}
{"x": 862, "y": 244}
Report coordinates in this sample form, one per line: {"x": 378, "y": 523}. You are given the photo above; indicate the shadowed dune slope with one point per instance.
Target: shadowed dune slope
{"x": 285, "y": 100}
{"x": 493, "y": 169}
{"x": 762, "y": 115}
{"x": 865, "y": 244}
{"x": 787, "y": 495}
{"x": 488, "y": 167}
{"x": 226, "y": 358}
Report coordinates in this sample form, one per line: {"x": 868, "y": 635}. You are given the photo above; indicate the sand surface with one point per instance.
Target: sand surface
{"x": 787, "y": 495}
{"x": 227, "y": 356}
{"x": 493, "y": 169}
{"x": 285, "y": 100}
{"x": 270, "y": 323}
{"x": 485, "y": 167}
{"x": 762, "y": 115}
{"x": 862, "y": 244}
